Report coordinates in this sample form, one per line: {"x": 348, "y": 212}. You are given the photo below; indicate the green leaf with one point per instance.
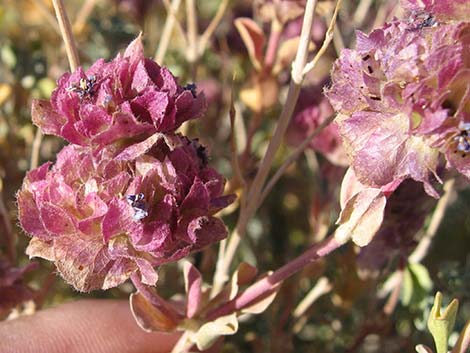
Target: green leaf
{"x": 421, "y": 275}
{"x": 416, "y": 286}
{"x": 407, "y": 288}
{"x": 441, "y": 324}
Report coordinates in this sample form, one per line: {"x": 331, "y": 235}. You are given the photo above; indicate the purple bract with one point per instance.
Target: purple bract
{"x": 102, "y": 216}
{"x": 130, "y": 97}
{"x": 403, "y": 98}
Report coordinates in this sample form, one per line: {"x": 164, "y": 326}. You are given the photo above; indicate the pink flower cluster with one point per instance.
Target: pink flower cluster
{"x": 128, "y": 97}
{"x": 403, "y": 97}
{"x": 129, "y": 193}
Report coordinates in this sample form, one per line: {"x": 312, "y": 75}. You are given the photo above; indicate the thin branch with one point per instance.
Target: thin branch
{"x": 292, "y": 95}
{"x": 338, "y": 41}
{"x": 328, "y": 37}
{"x": 172, "y": 12}
{"x": 394, "y": 297}
{"x": 362, "y": 10}
{"x": 46, "y": 14}
{"x": 302, "y": 51}
{"x": 293, "y": 157}
{"x": 223, "y": 263}
{"x": 233, "y": 145}
{"x": 83, "y": 14}
{"x": 425, "y": 243}
{"x": 36, "y": 148}
{"x": 204, "y": 38}
{"x": 322, "y": 287}
{"x": 167, "y": 31}
{"x": 266, "y": 285}
{"x": 67, "y": 36}
{"x": 273, "y": 45}
{"x": 219, "y": 268}
{"x": 191, "y": 23}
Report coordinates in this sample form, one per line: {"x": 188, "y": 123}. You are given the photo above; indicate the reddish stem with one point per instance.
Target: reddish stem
{"x": 273, "y": 46}
{"x": 266, "y": 285}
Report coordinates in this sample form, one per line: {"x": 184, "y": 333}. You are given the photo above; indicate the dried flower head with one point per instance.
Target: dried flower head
{"x": 440, "y": 10}
{"x": 130, "y": 97}
{"x": 101, "y": 216}
{"x": 403, "y": 97}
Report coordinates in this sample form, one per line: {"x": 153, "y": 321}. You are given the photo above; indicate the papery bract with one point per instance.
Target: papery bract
{"x": 102, "y": 216}
{"x": 402, "y": 97}
{"x": 362, "y": 209}
{"x": 405, "y": 213}
{"x": 129, "y": 97}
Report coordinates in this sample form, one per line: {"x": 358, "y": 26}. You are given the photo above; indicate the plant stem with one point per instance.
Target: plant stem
{"x": 361, "y": 12}
{"x": 179, "y": 26}
{"x": 191, "y": 23}
{"x": 36, "y": 147}
{"x": 167, "y": 31}
{"x": 83, "y": 14}
{"x": 394, "y": 297}
{"x": 246, "y": 213}
{"x": 425, "y": 243}
{"x": 320, "y": 288}
{"x": 67, "y": 36}
{"x": 204, "y": 38}
{"x": 44, "y": 10}
{"x": 328, "y": 38}
{"x": 292, "y": 95}
{"x": 273, "y": 45}
{"x": 292, "y": 157}
{"x": 266, "y": 285}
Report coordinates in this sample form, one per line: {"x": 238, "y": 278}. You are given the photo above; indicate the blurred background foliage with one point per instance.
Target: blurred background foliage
{"x": 300, "y": 210}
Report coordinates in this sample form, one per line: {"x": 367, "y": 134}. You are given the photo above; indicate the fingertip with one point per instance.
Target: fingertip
{"x": 88, "y": 326}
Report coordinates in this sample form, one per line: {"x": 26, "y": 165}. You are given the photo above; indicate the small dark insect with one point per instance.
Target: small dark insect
{"x": 375, "y": 98}
{"x": 365, "y": 58}
{"x": 427, "y": 21}
{"x": 369, "y": 68}
{"x": 138, "y": 204}
{"x": 84, "y": 88}
{"x": 463, "y": 138}
{"x": 202, "y": 154}
{"x": 201, "y": 151}
{"x": 191, "y": 87}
